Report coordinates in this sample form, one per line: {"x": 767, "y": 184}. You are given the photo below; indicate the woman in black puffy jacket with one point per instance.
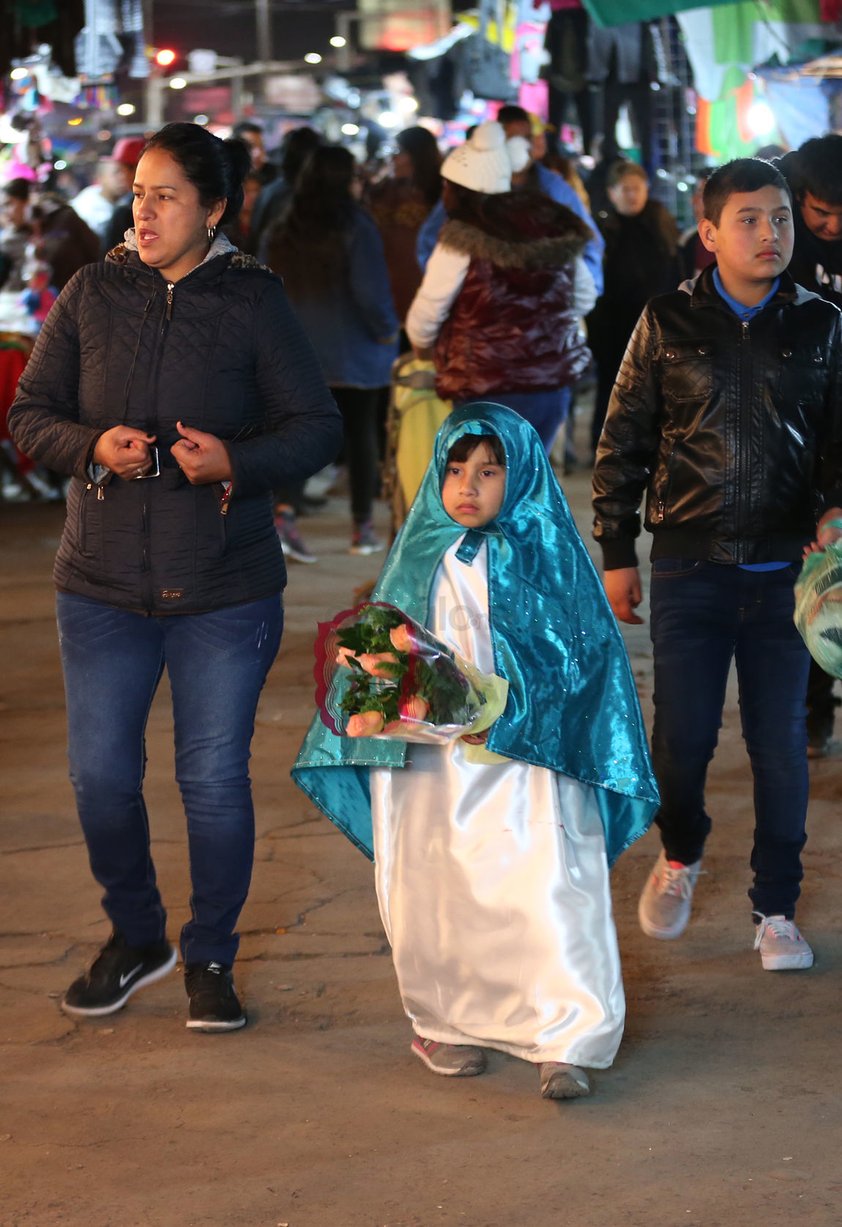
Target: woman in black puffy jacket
{"x": 174, "y": 385}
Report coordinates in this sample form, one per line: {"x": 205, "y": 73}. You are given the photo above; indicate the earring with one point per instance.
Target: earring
{"x": 211, "y": 233}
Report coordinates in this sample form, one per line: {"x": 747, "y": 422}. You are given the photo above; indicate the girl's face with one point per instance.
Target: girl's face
{"x": 629, "y": 195}
{"x": 171, "y": 224}
{"x": 472, "y": 491}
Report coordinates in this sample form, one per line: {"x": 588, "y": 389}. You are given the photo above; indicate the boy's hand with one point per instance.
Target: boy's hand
{"x": 622, "y": 587}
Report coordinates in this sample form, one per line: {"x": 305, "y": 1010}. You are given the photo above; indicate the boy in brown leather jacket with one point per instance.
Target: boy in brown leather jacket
{"x": 727, "y": 414}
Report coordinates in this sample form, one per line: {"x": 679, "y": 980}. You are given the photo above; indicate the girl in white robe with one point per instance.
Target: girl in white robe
{"x": 492, "y": 861}
{"x": 492, "y": 878}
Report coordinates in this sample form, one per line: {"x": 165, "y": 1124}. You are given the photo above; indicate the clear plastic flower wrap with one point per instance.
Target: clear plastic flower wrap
{"x": 818, "y": 607}
{"x": 380, "y": 674}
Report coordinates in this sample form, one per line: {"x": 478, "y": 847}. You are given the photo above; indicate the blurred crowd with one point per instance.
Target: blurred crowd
{"x": 352, "y": 243}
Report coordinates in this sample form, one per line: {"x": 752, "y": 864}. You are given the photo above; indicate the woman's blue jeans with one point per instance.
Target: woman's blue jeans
{"x": 703, "y": 615}
{"x": 217, "y": 663}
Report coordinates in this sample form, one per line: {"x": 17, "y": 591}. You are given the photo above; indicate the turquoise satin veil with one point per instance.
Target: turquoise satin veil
{"x": 572, "y": 704}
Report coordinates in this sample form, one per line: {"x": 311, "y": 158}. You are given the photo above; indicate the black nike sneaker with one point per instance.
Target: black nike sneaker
{"x": 213, "y": 1001}
{"x": 117, "y": 971}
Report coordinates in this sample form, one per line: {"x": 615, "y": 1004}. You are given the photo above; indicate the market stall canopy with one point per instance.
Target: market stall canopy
{"x": 620, "y": 12}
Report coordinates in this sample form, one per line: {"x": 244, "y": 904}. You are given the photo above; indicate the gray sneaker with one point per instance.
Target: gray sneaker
{"x": 450, "y": 1060}
{"x": 781, "y": 946}
{"x": 365, "y": 540}
{"x": 562, "y": 1081}
{"x": 664, "y": 907}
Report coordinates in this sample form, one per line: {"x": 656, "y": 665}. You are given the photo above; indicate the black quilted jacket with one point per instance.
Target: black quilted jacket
{"x": 731, "y": 430}
{"x": 220, "y": 351}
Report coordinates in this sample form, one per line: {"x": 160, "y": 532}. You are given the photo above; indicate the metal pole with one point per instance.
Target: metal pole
{"x": 343, "y": 29}
{"x": 445, "y": 17}
{"x": 264, "y": 30}
{"x": 264, "y": 51}
{"x": 154, "y": 103}
{"x": 155, "y": 87}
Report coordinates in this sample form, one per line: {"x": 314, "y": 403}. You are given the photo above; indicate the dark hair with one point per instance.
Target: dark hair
{"x": 216, "y": 168}
{"x": 512, "y": 114}
{"x": 461, "y": 203}
{"x": 740, "y": 175}
{"x": 246, "y": 125}
{"x": 467, "y": 444}
{"x": 622, "y": 167}
{"x": 306, "y": 246}
{"x": 421, "y": 147}
{"x": 18, "y": 189}
{"x": 817, "y": 168}
{"x": 296, "y": 147}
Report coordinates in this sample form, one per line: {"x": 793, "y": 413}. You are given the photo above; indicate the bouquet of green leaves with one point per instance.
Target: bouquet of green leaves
{"x": 379, "y": 674}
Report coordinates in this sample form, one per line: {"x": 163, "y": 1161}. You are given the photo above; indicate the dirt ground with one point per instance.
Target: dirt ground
{"x": 723, "y": 1107}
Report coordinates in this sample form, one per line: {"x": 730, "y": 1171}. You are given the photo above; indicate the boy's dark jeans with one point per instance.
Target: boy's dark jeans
{"x": 702, "y": 615}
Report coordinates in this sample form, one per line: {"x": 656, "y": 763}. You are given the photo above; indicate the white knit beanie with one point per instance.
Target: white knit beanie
{"x": 483, "y": 163}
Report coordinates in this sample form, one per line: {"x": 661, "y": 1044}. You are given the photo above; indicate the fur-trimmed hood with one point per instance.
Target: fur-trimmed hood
{"x": 221, "y": 246}
{"x": 517, "y": 230}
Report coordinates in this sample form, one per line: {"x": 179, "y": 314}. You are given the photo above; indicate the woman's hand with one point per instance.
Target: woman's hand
{"x": 203, "y": 458}
{"x": 125, "y": 451}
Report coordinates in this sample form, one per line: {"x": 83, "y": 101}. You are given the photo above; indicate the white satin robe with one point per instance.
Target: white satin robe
{"x": 492, "y": 882}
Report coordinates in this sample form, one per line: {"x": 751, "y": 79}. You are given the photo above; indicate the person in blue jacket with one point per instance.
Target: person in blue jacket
{"x": 329, "y": 252}
{"x": 516, "y": 122}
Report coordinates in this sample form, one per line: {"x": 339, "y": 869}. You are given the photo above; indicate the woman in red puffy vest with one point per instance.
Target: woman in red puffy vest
{"x": 503, "y": 294}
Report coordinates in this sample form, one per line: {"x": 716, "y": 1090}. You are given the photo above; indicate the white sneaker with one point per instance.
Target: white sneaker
{"x": 664, "y": 907}
{"x": 781, "y": 946}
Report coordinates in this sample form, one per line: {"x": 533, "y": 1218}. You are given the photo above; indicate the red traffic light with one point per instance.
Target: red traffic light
{"x": 165, "y": 58}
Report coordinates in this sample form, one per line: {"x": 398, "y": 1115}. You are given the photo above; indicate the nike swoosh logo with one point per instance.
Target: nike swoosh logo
{"x": 130, "y": 975}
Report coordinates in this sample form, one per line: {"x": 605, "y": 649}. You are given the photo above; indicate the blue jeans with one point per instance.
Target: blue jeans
{"x": 546, "y": 411}
{"x": 703, "y": 615}
{"x": 217, "y": 663}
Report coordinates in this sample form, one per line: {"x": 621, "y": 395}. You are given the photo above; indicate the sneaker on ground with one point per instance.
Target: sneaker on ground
{"x": 117, "y": 971}
{"x": 213, "y": 1002}
{"x": 562, "y": 1081}
{"x": 781, "y": 946}
{"x": 449, "y": 1060}
{"x": 364, "y": 540}
{"x": 292, "y": 542}
{"x": 664, "y": 907}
